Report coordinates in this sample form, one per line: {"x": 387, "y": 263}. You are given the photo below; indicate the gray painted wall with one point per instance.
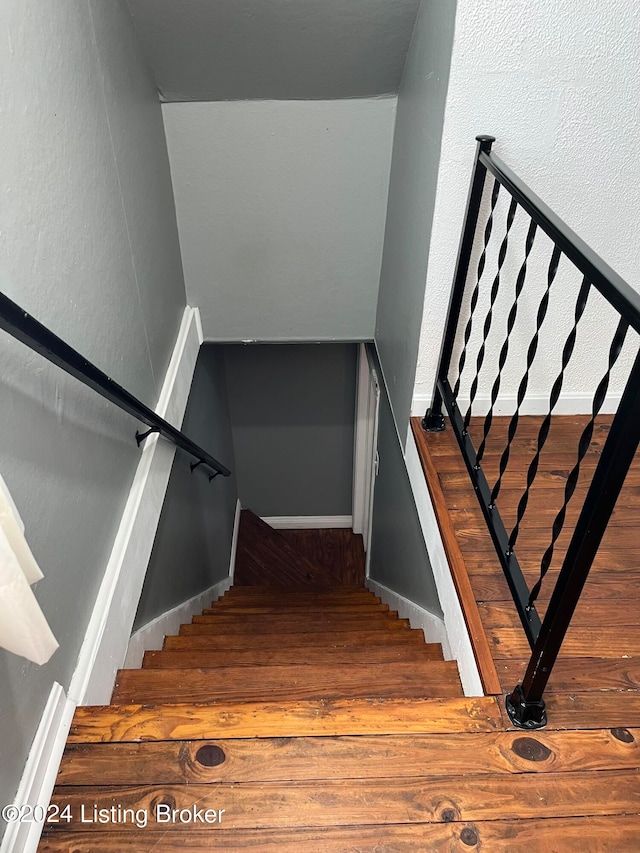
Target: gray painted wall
{"x": 192, "y": 547}
{"x": 412, "y": 192}
{"x": 399, "y": 557}
{"x": 281, "y": 209}
{"x": 89, "y": 246}
{"x": 278, "y": 49}
{"x": 292, "y": 411}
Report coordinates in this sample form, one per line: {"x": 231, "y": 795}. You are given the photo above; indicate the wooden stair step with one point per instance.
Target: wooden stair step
{"x": 345, "y": 802}
{"x": 361, "y": 757}
{"x": 203, "y": 658}
{"x": 414, "y": 679}
{"x": 220, "y": 625}
{"x": 257, "y": 595}
{"x": 337, "y": 638}
{"x": 296, "y": 609}
{"x": 289, "y": 718}
{"x": 306, "y": 645}
{"x": 387, "y": 618}
{"x": 503, "y": 836}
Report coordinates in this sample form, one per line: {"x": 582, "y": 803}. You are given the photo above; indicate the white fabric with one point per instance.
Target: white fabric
{"x": 13, "y": 527}
{"x": 23, "y": 628}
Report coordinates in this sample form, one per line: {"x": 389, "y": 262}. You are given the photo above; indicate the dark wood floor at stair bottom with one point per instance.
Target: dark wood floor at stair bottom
{"x": 309, "y": 742}
{"x": 294, "y": 558}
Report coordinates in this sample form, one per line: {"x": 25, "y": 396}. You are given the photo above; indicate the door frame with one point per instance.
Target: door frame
{"x": 365, "y": 456}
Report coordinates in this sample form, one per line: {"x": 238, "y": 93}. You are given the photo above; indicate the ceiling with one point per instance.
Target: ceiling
{"x": 223, "y": 50}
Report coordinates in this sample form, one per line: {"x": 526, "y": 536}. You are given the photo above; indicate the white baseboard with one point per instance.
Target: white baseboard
{"x": 458, "y": 645}
{"x": 570, "y": 403}
{"x": 105, "y": 644}
{"x": 38, "y": 779}
{"x": 234, "y": 542}
{"x": 419, "y": 617}
{"x": 308, "y": 522}
{"x": 151, "y": 635}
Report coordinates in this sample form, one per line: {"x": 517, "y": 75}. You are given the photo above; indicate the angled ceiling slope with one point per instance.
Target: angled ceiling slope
{"x": 223, "y": 50}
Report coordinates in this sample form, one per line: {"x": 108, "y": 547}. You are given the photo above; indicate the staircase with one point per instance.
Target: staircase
{"x": 299, "y": 713}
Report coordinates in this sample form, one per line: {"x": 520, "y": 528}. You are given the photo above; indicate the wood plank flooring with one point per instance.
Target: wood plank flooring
{"x": 602, "y": 649}
{"x": 299, "y": 718}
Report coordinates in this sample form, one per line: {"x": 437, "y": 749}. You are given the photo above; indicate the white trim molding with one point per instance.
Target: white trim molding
{"x": 151, "y": 635}
{"x": 41, "y": 769}
{"x": 105, "y": 644}
{"x": 307, "y": 522}
{"x": 458, "y": 645}
{"x": 570, "y": 403}
{"x": 234, "y": 541}
{"x": 432, "y": 625}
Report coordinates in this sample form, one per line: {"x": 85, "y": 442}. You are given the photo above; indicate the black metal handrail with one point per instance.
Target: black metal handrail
{"x": 525, "y": 704}
{"x": 37, "y": 337}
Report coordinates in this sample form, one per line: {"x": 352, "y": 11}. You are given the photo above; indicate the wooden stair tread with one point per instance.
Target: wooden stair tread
{"x": 301, "y": 617}
{"x": 294, "y": 610}
{"x": 413, "y": 679}
{"x": 347, "y": 757}
{"x": 342, "y": 637}
{"x": 203, "y": 658}
{"x": 411, "y": 641}
{"x": 212, "y": 625}
{"x": 291, "y": 718}
{"x": 504, "y": 836}
{"x": 257, "y": 594}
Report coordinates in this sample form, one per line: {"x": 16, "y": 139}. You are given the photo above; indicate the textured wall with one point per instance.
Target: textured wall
{"x": 89, "y": 246}
{"x": 281, "y": 209}
{"x": 557, "y": 83}
{"x": 193, "y": 543}
{"x": 292, "y": 412}
{"x": 412, "y": 191}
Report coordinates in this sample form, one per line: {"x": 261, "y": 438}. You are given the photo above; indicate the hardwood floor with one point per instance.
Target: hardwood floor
{"x": 293, "y": 557}
{"x": 295, "y": 717}
{"x": 341, "y": 551}
{"x": 601, "y": 651}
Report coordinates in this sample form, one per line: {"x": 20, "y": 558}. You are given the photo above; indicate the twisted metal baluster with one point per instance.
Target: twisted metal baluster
{"x": 543, "y": 433}
{"x": 489, "y": 316}
{"x": 513, "y": 313}
{"x": 476, "y": 290}
{"x": 583, "y": 445}
{"x": 524, "y": 382}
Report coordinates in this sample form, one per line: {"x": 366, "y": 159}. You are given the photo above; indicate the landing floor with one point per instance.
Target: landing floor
{"x": 601, "y": 653}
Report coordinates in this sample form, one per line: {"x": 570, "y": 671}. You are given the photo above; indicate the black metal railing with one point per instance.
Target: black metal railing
{"x": 37, "y": 337}
{"x": 525, "y": 704}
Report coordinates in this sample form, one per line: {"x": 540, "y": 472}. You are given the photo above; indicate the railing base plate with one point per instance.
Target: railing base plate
{"x": 524, "y": 714}
{"x": 433, "y": 421}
